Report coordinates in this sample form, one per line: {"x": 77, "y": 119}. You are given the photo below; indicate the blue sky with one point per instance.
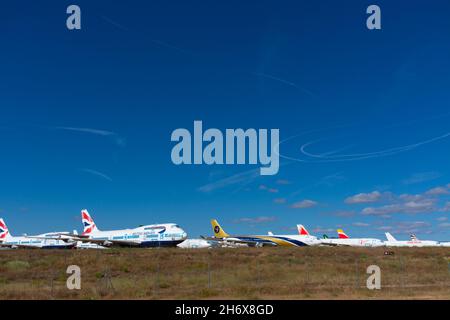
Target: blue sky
{"x": 86, "y": 116}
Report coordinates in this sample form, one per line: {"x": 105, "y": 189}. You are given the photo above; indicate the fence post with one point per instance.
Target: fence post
{"x": 209, "y": 272}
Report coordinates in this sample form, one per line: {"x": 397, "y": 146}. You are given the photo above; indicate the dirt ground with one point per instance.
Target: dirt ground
{"x": 244, "y": 273}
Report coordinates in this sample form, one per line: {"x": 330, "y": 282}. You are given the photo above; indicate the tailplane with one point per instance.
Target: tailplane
{"x": 218, "y": 231}
{"x": 302, "y": 230}
{"x": 4, "y": 232}
{"x": 342, "y": 234}
{"x": 88, "y": 223}
{"x": 390, "y": 237}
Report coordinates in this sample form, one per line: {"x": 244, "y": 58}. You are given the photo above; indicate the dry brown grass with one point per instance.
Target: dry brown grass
{"x": 246, "y": 273}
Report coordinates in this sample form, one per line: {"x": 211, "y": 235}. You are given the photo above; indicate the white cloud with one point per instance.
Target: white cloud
{"x": 411, "y": 207}
{"x": 364, "y": 197}
{"x": 408, "y": 227}
{"x": 437, "y": 191}
{"x": 304, "y": 204}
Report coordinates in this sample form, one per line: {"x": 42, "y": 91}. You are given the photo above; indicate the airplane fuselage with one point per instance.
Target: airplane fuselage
{"x": 412, "y": 243}
{"x": 161, "y": 235}
{"x": 38, "y": 242}
{"x": 354, "y": 242}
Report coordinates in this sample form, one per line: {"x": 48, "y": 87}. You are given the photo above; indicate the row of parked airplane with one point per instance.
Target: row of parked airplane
{"x": 160, "y": 235}
{"x": 303, "y": 238}
{"x": 171, "y": 235}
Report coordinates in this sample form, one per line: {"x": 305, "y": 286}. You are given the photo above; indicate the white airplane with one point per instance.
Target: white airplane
{"x": 160, "y": 235}
{"x": 307, "y": 237}
{"x": 413, "y": 242}
{"x": 52, "y": 240}
{"x": 444, "y": 244}
{"x": 196, "y": 244}
{"x": 344, "y": 240}
{"x": 260, "y": 240}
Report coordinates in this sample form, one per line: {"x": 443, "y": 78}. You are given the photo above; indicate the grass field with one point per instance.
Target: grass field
{"x": 245, "y": 273}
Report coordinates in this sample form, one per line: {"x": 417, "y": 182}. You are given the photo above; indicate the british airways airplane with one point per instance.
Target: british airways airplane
{"x": 157, "y": 235}
{"x": 51, "y": 240}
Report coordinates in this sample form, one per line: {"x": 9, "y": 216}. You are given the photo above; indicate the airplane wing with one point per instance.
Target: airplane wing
{"x": 17, "y": 246}
{"x": 108, "y": 243}
{"x": 240, "y": 241}
{"x": 125, "y": 243}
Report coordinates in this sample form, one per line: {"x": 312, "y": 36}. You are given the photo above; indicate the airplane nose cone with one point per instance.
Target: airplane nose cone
{"x": 184, "y": 236}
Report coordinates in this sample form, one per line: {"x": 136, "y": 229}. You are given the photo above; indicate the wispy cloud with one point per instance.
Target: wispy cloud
{"x": 437, "y": 191}
{"x": 331, "y": 180}
{"x": 286, "y": 82}
{"x": 114, "y": 23}
{"x": 96, "y": 173}
{"x": 255, "y": 220}
{"x": 444, "y": 225}
{"x": 320, "y": 229}
{"x": 360, "y": 224}
{"x": 89, "y": 130}
{"x": 421, "y": 177}
{"x": 121, "y": 142}
{"x": 268, "y": 189}
{"x": 283, "y": 182}
{"x": 342, "y": 213}
{"x": 304, "y": 204}
{"x": 408, "y": 227}
{"x": 242, "y": 178}
{"x": 156, "y": 42}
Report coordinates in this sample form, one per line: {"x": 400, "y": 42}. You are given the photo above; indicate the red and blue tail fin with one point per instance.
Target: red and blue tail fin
{"x": 88, "y": 223}
{"x": 4, "y": 232}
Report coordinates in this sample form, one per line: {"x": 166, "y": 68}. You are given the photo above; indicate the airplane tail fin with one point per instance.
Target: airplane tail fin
{"x": 342, "y": 234}
{"x": 325, "y": 236}
{"x": 413, "y": 237}
{"x": 302, "y": 230}
{"x": 4, "y": 232}
{"x": 390, "y": 237}
{"x": 88, "y": 223}
{"x": 218, "y": 231}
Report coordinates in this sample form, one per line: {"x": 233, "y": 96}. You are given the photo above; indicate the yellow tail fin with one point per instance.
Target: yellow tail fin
{"x": 218, "y": 231}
